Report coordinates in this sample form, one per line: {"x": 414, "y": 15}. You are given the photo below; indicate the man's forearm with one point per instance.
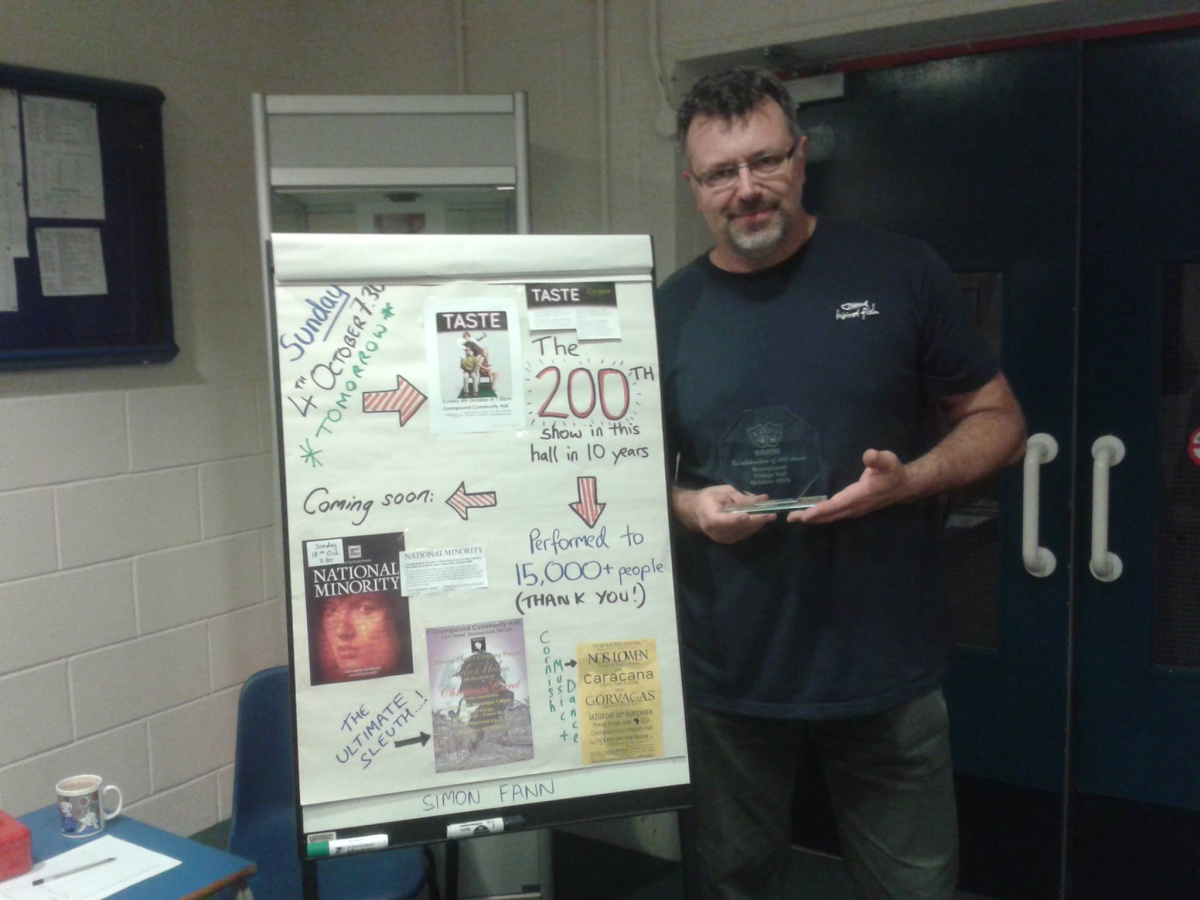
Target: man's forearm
{"x": 987, "y": 433}
{"x": 682, "y": 500}
{"x": 975, "y": 448}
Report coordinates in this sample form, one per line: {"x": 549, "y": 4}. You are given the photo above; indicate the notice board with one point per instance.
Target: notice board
{"x": 85, "y": 274}
{"x": 481, "y": 595}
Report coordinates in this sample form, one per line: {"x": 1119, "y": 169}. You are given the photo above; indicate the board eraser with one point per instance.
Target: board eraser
{"x": 15, "y": 855}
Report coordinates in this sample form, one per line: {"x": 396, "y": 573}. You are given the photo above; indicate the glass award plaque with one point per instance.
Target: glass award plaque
{"x": 772, "y": 451}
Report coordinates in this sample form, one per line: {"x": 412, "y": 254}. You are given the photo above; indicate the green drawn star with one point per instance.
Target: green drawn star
{"x": 387, "y": 311}
{"x": 309, "y": 455}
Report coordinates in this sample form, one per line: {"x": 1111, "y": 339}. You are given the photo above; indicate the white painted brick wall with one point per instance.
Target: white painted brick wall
{"x": 44, "y": 443}
{"x": 140, "y": 585}
{"x": 121, "y": 756}
{"x": 198, "y": 581}
{"x": 225, "y": 793}
{"x": 241, "y": 643}
{"x": 185, "y": 809}
{"x": 27, "y": 536}
{"x": 193, "y": 740}
{"x": 60, "y": 615}
{"x": 176, "y": 426}
{"x": 118, "y": 517}
{"x": 35, "y": 707}
{"x": 236, "y": 495}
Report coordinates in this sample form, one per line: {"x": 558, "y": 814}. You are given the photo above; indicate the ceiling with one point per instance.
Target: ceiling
{"x": 958, "y": 31}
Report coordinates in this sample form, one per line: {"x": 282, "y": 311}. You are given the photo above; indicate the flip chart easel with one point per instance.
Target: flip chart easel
{"x": 481, "y": 593}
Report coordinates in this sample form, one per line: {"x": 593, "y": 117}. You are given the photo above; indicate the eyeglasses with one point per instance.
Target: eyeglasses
{"x": 761, "y": 166}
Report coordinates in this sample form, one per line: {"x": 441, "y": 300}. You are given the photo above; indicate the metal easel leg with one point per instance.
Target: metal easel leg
{"x": 308, "y": 877}
{"x": 451, "y": 892}
{"x": 546, "y": 862}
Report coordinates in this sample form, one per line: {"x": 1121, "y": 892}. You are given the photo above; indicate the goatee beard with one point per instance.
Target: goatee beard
{"x": 761, "y": 242}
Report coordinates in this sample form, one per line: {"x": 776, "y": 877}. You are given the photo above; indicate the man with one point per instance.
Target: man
{"x": 470, "y": 369}
{"x": 827, "y": 626}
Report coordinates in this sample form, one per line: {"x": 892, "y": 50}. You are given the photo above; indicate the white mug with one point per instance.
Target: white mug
{"x": 79, "y": 804}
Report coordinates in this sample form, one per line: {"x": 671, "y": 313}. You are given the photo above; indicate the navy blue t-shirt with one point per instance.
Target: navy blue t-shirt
{"x": 857, "y": 334}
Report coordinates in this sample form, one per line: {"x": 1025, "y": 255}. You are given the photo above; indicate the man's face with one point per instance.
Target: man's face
{"x": 360, "y": 633}
{"x": 757, "y": 220}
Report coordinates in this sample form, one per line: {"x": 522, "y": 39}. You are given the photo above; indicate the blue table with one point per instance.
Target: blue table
{"x": 202, "y": 871}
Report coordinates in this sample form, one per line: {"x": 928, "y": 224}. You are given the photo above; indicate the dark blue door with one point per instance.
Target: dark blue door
{"x": 1062, "y": 183}
{"x": 1137, "y": 673}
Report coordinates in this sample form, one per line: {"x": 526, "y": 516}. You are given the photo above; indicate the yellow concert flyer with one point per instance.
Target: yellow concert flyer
{"x": 621, "y": 704}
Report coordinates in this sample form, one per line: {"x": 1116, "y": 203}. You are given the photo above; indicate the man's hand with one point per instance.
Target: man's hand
{"x": 712, "y": 511}
{"x": 881, "y": 484}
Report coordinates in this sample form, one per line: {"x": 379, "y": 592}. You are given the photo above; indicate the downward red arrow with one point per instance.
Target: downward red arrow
{"x": 587, "y": 507}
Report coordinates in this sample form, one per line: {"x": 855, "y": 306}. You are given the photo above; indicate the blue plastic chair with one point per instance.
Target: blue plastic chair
{"x": 264, "y": 811}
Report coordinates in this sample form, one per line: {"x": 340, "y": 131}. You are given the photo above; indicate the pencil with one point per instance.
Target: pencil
{"x": 75, "y": 871}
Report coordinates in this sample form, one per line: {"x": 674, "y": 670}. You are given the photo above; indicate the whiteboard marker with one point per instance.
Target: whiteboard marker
{"x": 318, "y": 849}
{"x": 483, "y": 826}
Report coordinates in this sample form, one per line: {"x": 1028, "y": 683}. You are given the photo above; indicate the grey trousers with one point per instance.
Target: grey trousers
{"x": 891, "y": 780}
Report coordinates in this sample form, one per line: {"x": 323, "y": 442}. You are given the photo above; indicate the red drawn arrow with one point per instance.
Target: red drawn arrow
{"x": 460, "y": 501}
{"x": 405, "y": 400}
{"x": 587, "y": 507}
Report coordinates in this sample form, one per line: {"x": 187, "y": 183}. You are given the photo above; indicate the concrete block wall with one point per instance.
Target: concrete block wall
{"x": 139, "y": 587}
{"x": 547, "y": 49}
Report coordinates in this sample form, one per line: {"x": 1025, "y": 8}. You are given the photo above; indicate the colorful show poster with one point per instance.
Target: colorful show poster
{"x": 474, "y": 350}
{"x": 621, "y": 701}
{"x": 480, "y": 685}
{"x": 358, "y": 616}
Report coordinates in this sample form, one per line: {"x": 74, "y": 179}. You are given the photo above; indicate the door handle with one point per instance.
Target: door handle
{"x": 1039, "y": 561}
{"x": 1107, "y": 452}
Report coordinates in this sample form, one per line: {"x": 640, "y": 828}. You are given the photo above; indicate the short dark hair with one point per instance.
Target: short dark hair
{"x": 734, "y": 94}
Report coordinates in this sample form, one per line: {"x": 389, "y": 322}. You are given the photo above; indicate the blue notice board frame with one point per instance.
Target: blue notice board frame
{"x": 133, "y": 322}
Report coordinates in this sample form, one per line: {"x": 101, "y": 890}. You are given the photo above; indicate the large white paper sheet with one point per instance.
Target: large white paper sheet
{"x": 559, "y": 512}
{"x": 62, "y": 150}
{"x": 13, "y": 224}
{"x": 8, "y": 285}
{"x": 71, "y": 262}
{"x": 131, "y": 864}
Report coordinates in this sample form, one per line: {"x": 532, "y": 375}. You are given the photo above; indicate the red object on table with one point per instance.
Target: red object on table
{"x": 15, "y": 856}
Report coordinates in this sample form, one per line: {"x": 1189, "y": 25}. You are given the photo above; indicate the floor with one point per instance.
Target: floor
{"x": 590, "y": 870}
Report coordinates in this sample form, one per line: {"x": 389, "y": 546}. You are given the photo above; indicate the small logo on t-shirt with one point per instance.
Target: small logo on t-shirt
{"x": 859, "y": 310}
